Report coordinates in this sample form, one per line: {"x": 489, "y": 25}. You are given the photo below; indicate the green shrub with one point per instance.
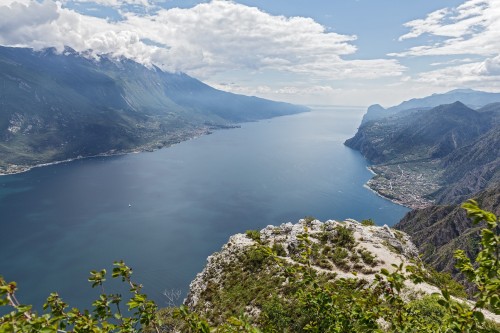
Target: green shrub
{"x": 278, "y": 249}
{"x": 253, "y": 234}
{"x": 339, "y": 257}
{"x": 344, "y": 237}
{"x": 309, "y": 219}
{"x": 255, "y": 257}
{"x": 367, "y": 257}
{"x": 367, "y": 222}
{"x": 444, "y": 280}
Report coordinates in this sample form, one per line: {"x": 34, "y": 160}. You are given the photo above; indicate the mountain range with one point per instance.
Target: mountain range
{"x": 472, "y": 98}
{"x": 444, "y": 154}
{"x": 57, "y": 106}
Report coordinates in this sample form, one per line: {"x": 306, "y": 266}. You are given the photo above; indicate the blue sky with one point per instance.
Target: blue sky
{"x": 341, "y": 52}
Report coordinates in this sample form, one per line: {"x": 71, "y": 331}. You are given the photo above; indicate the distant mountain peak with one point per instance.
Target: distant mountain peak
{"x": 462, "y": 91}
{"x": 375, "y": 108}
{"x": 474, "y": 99}
{"x": 458, "y": 104}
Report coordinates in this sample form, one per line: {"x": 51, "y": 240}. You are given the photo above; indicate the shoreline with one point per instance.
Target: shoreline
{"x": 25, "y": 168}
{"x": 394, "y": 201}
{"x": 411, "y": 204}
{"x": 15, "y": 169}
{"x": 367, "y": 186}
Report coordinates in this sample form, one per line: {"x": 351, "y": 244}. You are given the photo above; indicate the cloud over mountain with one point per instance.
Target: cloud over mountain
{"x": 208, "y": 38}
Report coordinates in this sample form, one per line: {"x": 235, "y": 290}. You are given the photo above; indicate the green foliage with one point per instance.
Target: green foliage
{"x": 486, "y": 276}
{"x": 443, "y": 280}
{"x": 367, "y": 222}
{"x": 339, "y": 257}
{"x": 253, "y": 234}
{"x": 367, "y": 257}
{"x": 106, "y": 315}
{"x": 278, "y": 249}
{"x": 256, "y": 256}
{"x": 344, "y": 237}
{"x": 309, "y": 219}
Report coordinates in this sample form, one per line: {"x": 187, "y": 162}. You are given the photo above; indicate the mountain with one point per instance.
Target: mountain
{"x": 443, "y": 155}
{"x": 55, "y": 107}
{"x": 426, "y": 134}
{"x": 438, "y": 231}
{"x": 472, "y": 98}
{"x": 471, "y": 168}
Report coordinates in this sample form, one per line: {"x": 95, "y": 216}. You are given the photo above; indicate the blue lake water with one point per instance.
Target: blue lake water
{"x": 59, "y": 222}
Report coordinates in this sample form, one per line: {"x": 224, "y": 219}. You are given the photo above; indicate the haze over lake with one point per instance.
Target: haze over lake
{"x": 164, "y": 212}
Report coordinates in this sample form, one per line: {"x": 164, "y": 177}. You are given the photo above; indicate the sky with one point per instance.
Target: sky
{"x": 312, "y": 52}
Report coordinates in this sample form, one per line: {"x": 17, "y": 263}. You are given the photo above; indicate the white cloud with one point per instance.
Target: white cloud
{"x": 471, "y": 28}
{"x": 484, "y": 75}
{"x": 317, "y": 90}
{"x": 428, "y": 25}
{"x": 118, "y": 3}
{"x": 452, "y": 62}
{"x": 204, "y": 40}
{"x": 19, "y": 15}
{"x": 491, "y": 66}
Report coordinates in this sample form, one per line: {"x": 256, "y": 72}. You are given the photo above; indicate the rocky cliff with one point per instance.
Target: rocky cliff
{"x": 240, "y": 279}
{"x": 438, "y": 231}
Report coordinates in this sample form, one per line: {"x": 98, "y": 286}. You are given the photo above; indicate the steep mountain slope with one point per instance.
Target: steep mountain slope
{"x": 60, "y": 106}
{"x": 438, "y": 231}
{"x": 472, "y": 98}
{"x": 471, "y": 168}
{"x": 444, "y": 154}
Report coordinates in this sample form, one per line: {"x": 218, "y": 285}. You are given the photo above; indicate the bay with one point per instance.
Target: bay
{"x": 164, "y": 212}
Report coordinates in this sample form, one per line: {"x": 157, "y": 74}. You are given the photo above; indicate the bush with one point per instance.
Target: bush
{"x": 368, "y": 222}
{"x": 253, "y": 234}
{"x": 443, "y": 280}
{"x": 367, "y": 257}
{"x": 278, "y": 249}
{"x": 344, "y": 237}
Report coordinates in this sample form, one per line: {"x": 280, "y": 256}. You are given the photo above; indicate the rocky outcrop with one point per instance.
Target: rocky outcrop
{"x": 339, "y": 249}
{"x": 273, "y": 277}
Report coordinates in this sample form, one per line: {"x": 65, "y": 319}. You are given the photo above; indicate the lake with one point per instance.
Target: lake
{"x": 164, "y": 212}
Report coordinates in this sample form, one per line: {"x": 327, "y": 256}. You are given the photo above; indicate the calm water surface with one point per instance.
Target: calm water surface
{"x": 59, "y": 222}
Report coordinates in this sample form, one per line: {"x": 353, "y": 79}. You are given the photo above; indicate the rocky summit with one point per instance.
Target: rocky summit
{"x": 344, "y": 249}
